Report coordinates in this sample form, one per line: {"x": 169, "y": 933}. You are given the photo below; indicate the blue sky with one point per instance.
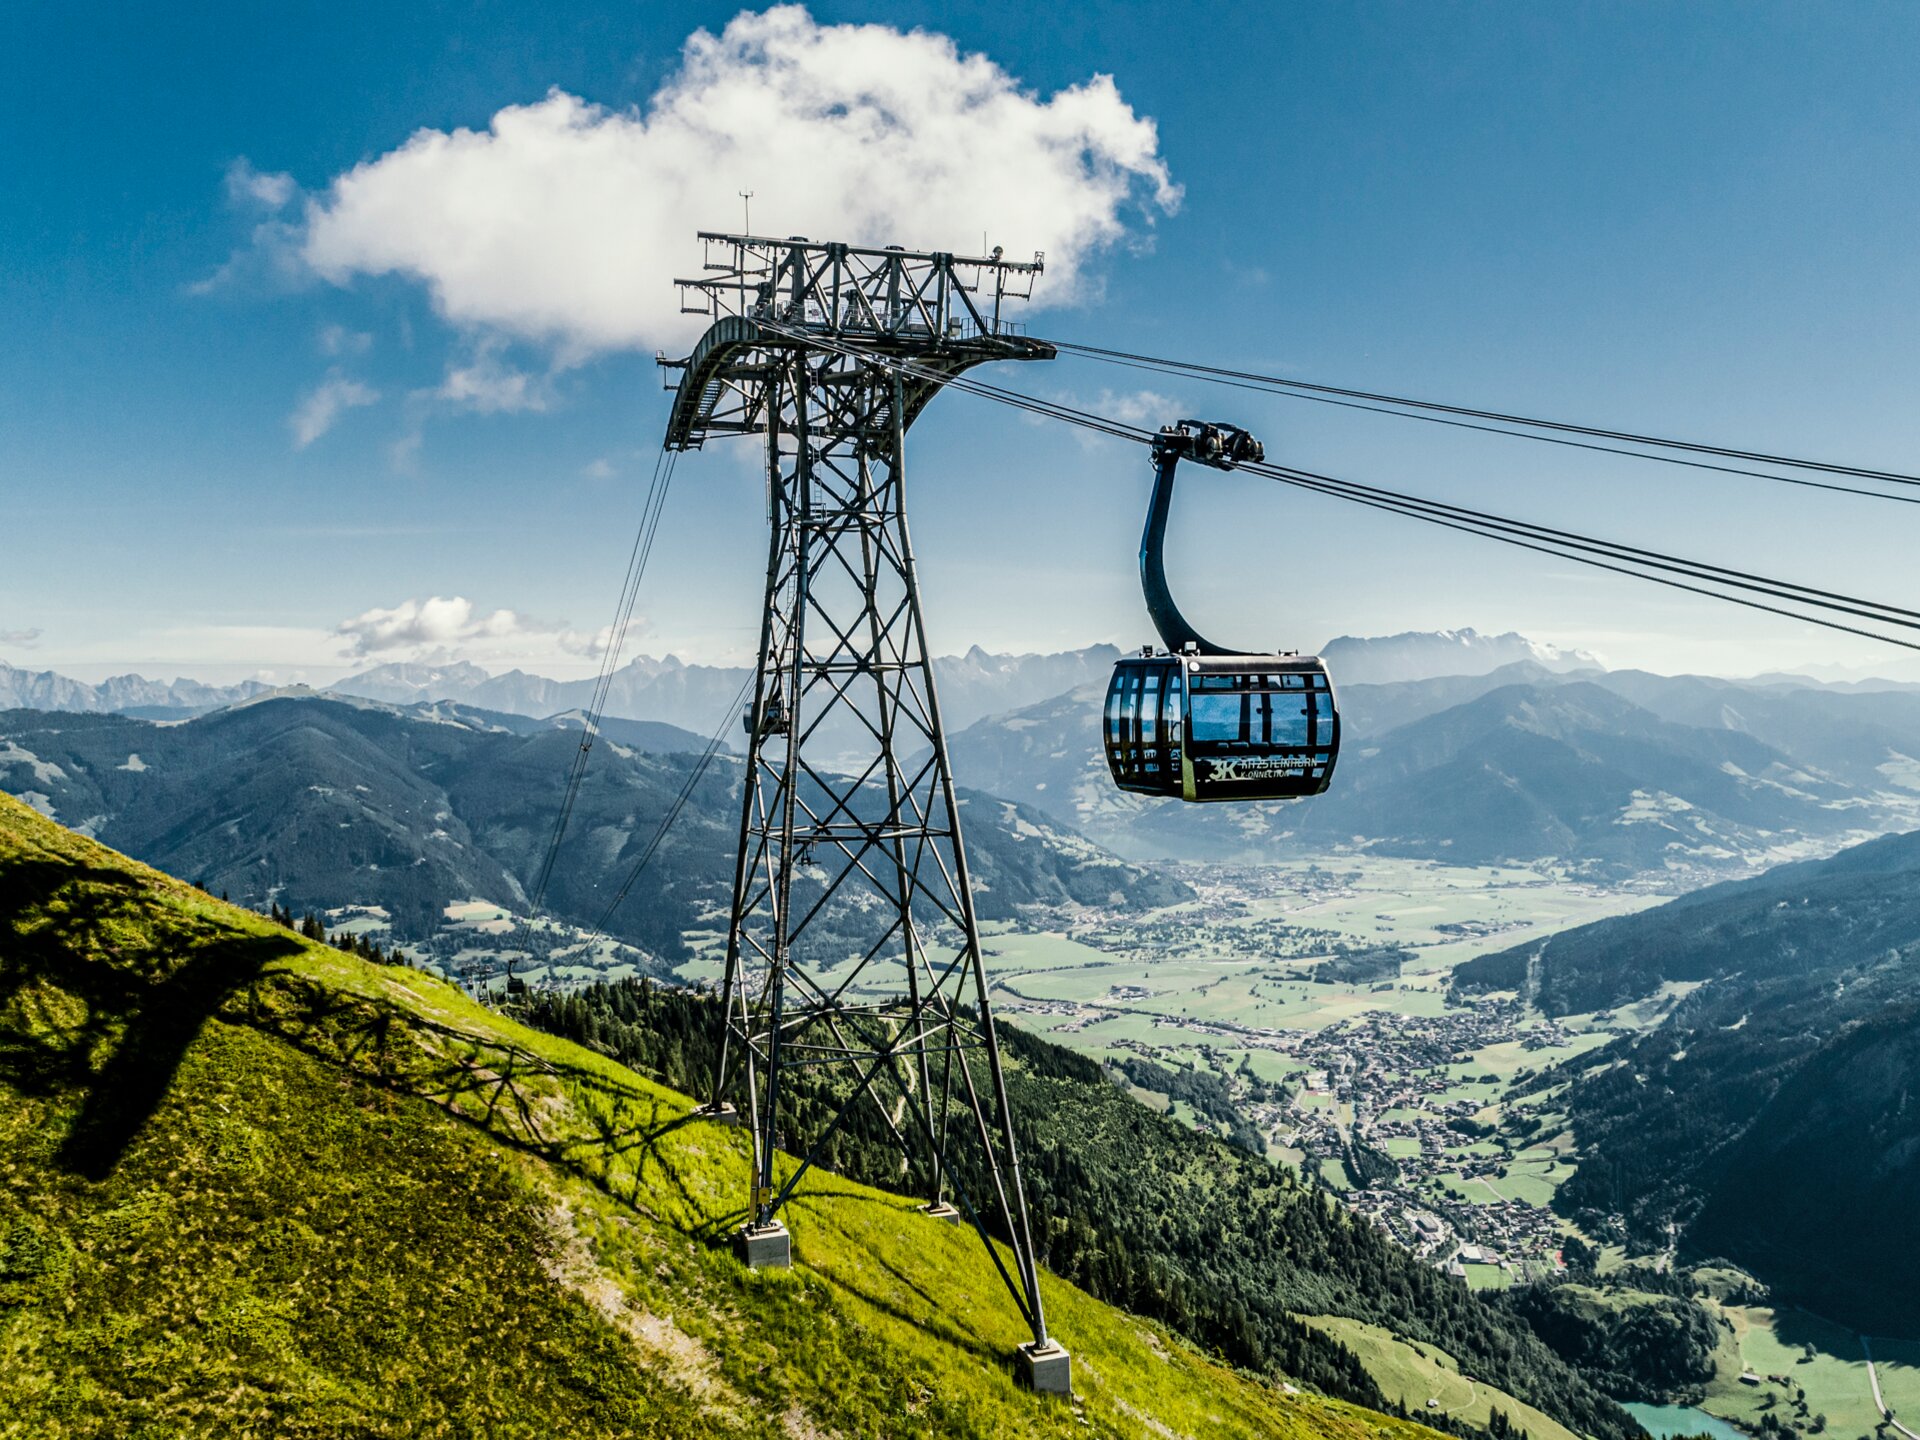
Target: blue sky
{"x": 1695, "y": 220}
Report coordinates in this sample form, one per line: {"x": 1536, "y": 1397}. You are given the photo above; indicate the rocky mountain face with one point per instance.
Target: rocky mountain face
{"x": 1429, "y": 654}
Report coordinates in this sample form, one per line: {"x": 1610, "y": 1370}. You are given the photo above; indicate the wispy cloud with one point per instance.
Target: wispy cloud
{"x": 338, "y": 340}
{"x": 272, "y": 258}
{"x": 1147, "y": 409}
{"x": 490, "y": 385}
{"x": 248, "y": 187}
{"x": 22, "y": 639}
{"x": 324, "y": 404}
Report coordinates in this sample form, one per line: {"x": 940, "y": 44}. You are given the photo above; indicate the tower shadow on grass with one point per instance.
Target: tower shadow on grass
{"x": 104, "y": 988}
{"x": 610, "y": 1135}
{"x": 146, "y": 980}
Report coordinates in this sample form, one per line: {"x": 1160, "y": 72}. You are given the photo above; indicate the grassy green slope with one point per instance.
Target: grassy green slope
{"x": 250, "y": 1186}
{"x": 1411, "y": 1374}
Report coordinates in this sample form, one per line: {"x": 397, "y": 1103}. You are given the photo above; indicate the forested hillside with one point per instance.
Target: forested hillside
{"x": 1772, "y": 1115}
{"x": 1228, "y": 1248}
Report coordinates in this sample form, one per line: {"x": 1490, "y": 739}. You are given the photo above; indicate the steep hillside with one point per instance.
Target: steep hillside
{"x": 1795, "y": 921}
{"x": 1234, "y": 1251}
{"x": 1816, "y": 1188}
{"x": 1774, "y": 1115}
{"x": 315, "y": 803}
{"x": 1572, "y": 771}
{"x": 253, "y": 1186}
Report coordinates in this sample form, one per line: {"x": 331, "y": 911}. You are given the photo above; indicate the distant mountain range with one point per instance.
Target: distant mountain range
{"x": 317, "y": 802}
{"x": 123, "y": 694}
{"x": 691, "y": 696}
{"x": 1427, "y": 654}
{"x": 1773, "y": 1116}
{"x": 972, "y": 685}
{"x": 1542, "y": 758}
{"x": 694, "y": 696}
{"x": 1620, "y": 771}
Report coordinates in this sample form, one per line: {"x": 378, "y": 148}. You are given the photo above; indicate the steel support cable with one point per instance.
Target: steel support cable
{"x": 1168, "y": 368}
{"x": 680, "y": 800}
{"x": 1659, "y": 560}
{"x": 596, "y": 706}
{"x": 1561, "y": 544}
{"x": 1467, "y": 528}
{"x": 1569, "y": 541}
{"x": 1866, "y": 609}
{"x": 1892, "y": 477}
{"x": 650, "y": 511}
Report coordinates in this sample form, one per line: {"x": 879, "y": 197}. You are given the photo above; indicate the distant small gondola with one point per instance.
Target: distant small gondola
{"x": 1199, "y": 722}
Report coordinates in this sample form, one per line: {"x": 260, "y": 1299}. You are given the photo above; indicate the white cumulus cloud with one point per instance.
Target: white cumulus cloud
{"x": 565, "y": 222}
{"x": 442, "y": 628}
{"x": 433, "y": 623}
{"x": 324, "y": 404}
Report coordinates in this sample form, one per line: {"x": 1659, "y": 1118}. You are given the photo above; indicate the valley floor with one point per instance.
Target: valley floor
{"x": 1232, "y": 985}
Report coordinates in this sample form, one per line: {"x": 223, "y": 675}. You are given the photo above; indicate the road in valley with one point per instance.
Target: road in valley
{"x": 1873, "y": 1375}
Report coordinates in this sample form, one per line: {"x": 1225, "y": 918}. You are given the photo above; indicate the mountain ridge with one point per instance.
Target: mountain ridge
{"x": 316, "y": 801}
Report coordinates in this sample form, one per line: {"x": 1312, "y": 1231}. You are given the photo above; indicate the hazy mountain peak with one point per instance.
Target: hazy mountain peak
{"x": 135, "y": 694}
{"x": 1428, "y": 654}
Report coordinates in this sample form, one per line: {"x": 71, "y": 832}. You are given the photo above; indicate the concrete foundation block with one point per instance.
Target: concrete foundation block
{"x": 942, "y": 1212}
{"x": 764, "y": 1247}
{"x": 721, "y": 1114}
{"x": 1045, "y": 1369}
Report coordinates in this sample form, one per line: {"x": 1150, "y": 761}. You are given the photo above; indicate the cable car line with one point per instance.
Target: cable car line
{"x": 1264, "y": 388}
{"x": 1201, "y": 722}
{"x": 1892, "y": 477}
{"x": 1469, "y": 529}
{"x": 1561, "y": 544}
{"x": 650, "y": 511}
{"x": 1827, "y": 599}
{"x": 693, "y": 779}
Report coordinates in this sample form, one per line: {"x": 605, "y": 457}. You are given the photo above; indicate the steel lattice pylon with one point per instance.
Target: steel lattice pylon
{"x": 852, "y": 944}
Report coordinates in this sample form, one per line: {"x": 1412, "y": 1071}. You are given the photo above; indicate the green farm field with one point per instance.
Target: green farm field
{"x": 1833, "y": 1381}
{"x": 1413, "y": 1375}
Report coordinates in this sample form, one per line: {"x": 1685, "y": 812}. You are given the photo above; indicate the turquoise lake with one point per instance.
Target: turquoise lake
{"x": 1664, "y": 1420}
